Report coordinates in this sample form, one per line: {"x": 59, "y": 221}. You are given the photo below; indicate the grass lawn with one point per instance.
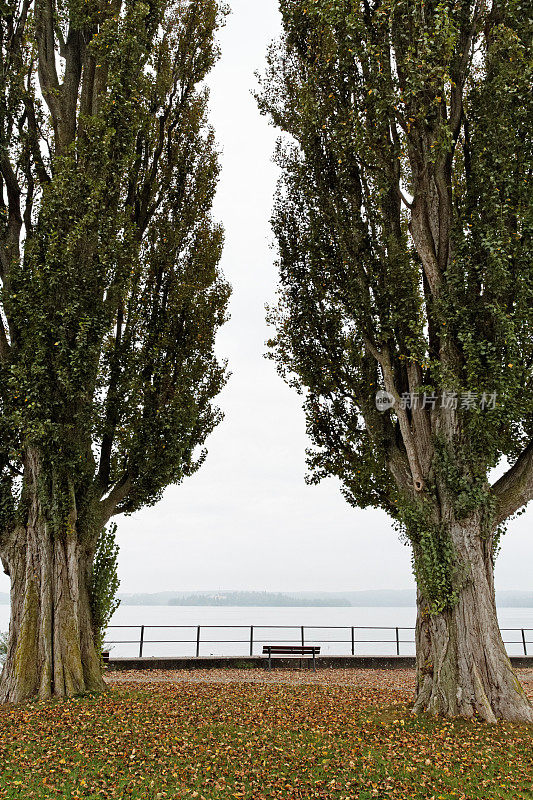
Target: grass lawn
{"x": 255, "y": 742}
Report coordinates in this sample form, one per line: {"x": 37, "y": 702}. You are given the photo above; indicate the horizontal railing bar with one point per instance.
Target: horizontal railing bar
{"x": 307, "y": 627}
{"x": 286, "y": 627}
{"x": 519, "y": 641}
{"x": 280, "y": 641}
{"x": 130, "y": 641}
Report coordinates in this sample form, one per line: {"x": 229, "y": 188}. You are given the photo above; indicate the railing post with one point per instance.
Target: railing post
{"x": 524, "y": 641}
{"x": 353, "y": 641}
{"x": 397, "y": 641}
{"x": 141, "y": 642}
{"x": 303, "y": 636}
{"x": 198, "y": 642}
{"x": 251, "y": 640}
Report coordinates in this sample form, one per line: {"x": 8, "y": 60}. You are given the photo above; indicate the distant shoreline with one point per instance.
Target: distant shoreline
{"x": 376, "y": 598}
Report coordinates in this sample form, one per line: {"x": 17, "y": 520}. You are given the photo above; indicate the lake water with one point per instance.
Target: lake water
{"x": 172, "y": 630}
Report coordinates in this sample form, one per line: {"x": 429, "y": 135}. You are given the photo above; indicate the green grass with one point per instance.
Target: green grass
{"x": 256, "y": 742}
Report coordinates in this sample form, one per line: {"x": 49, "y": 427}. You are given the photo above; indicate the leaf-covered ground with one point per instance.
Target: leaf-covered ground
{"x": 221, "y": 741}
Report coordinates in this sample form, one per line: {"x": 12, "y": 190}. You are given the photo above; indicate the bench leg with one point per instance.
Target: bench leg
{"x": 314, "y": 662}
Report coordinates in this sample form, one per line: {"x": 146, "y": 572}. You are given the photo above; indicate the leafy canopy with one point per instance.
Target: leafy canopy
{"x": 111, "y": 294}
{"x": 403, "y": 221}
{"x": 362, "y": 89}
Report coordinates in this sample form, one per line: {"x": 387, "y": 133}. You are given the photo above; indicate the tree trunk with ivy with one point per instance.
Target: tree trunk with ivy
{"x": 406, "y": 296}
{"x": 462, "y": 665}
{"x": 111, "y": 298}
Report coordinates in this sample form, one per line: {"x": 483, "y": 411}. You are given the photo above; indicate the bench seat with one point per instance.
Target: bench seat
{"x": 291, "y": 651}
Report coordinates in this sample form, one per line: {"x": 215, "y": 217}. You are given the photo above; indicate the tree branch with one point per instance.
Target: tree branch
{"x": 4, "y": 343}
{"x": 10, "y": 246}
{"x": 514, "y": 489}
{"x": 33, "y": 129}
{"x": 48, "y": 78}
{"x": 111, "y": 413}
{"x": 421, "y": 419}
{"x": 119, "y": 492}
{"x": 383, "y": 358}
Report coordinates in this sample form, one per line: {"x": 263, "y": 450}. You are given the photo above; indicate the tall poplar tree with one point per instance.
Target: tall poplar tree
{"x": 403, "y": 221}
{"x": 111, "y": 297}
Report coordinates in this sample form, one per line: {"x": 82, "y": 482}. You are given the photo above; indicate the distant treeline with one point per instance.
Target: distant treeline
{"x": 388, "y": 598}
{"x": 253, "y": 599}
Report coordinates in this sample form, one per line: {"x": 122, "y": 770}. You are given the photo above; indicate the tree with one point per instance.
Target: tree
{"x": 105, "y": 584}
{"x": 403, "y": 221}
{"x": 111, "y": 299}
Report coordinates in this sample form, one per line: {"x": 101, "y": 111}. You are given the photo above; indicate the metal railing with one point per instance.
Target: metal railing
{"x": 254, "y": 633}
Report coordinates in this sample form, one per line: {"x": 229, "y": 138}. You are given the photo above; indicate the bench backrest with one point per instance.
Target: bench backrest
{"x": 291, "y": 650}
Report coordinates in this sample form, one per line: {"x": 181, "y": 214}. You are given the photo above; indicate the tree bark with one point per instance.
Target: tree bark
{"x": 462, "y": 665}
{"x": 51, "y": 650}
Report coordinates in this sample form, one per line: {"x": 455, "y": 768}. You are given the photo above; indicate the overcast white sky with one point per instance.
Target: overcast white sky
{"x": 247, "y": 520}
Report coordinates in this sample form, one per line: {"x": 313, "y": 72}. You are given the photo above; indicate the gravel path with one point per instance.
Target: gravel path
{"x": 396, "y": 679}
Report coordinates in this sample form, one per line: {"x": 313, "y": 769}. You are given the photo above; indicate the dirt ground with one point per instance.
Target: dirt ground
{"x": 396, "y": 679}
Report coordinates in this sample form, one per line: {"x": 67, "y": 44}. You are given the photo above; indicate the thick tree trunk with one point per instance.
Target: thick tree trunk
{"x": 462, "y": 665}
{"x": 51, "y": 650}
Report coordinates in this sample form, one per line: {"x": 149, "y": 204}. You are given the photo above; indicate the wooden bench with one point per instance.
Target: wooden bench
{"x": 291, "y": 651}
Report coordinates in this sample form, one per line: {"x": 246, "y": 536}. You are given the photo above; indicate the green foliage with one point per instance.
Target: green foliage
{"x": 3, "y": 647}
{"x": 435, "y": 565}
{"x": 466, "y": 482}
{"x": 104, "y": 584}
{"x": 403, "y": 222}
{"x": 111, "y": 293}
